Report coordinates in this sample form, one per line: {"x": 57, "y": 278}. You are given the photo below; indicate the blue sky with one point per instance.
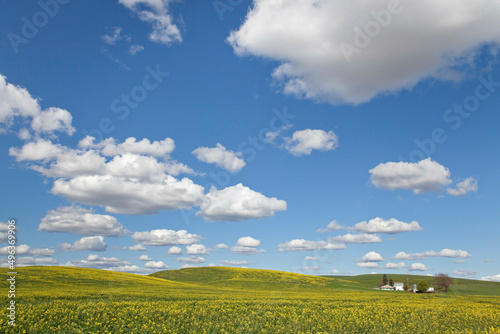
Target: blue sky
{"x": 117, "y": 118}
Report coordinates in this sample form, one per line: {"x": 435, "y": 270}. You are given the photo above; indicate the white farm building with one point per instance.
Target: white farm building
{"x": 398, "y": 286}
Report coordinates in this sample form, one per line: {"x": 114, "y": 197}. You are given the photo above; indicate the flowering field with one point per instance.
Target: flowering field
{"x": 70, "y": 300}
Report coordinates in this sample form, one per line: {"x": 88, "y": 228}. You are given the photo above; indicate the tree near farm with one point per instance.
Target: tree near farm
{"x": 443, "y": 281}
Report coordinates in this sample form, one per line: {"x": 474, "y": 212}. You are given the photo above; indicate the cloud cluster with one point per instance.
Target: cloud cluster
{"x": 443, "y": 253}
{"x": 305, "y": 245}
{"x": 228, "y": 160}
{"x": 18, "y": 105}
{"x": 463, "y": 188}
{"x": 75, "y": 219}
{"x": 238, "y": 203}
{"x": 390, "y": 226}
{"x": 350, "y": 52}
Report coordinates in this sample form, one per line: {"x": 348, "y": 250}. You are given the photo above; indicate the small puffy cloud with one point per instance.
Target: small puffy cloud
{"x": 156, "y": 13}
{"x": 310, "y": 258}
{"x": 305, "y": 141}
{"x": 371, "y": 257}
{"x": 421, "y": 177}
{"x": 399, "y": 265}
{"x": 196, "y": 249}
{"x": 20, "y": 250}
{"x": 464, "y": 273}
{"x": 114, "y": 36}
{"x": 460, "y": 261}
{"x": 367, "y": 264}
{"x": 338, "y": 272}
{"x": 238, "y": 203}
{"x": 42, "y": 252}
{"x": 331, "y": 227}
{"x": 155, "y": 265}
{"x": 191, "y": 260}
{"x": 174, "y": 250}
{"x": 75, "y": 219}
{"x": 418, "y": 267}
{"x": 495, "y": 278}
{"x": 135, "y": 49}
{"x": 464, "y": 187}
{"x": 221, "y": 246}
{"x": 390, "y": 226}
{"x": 304, "y": 245}
{"x": 96, "y": 244}
{"x": 138, "y": 247}
{"x": 219, "y": 155}
{"x": 364, "y": 238}
{"x": 17, "y": 103}
{"x": 247, "y": 246}
{"x": 326, "y": 51}
{"x": 233, "y": 263}
{"x": 443, "y": 253}
{"x": 163, "y": 237}
{"x": 144, "y": 258}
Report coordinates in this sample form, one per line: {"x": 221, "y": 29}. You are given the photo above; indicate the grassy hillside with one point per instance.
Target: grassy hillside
{"x": 241, "y": 278}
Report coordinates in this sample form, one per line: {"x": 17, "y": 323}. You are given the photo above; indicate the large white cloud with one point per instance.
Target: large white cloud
{"x": 422, "y": 177}
{"x": 95, "y": 244}
{"x": 452, "y": 253}
{"x": 219, "y": 155}
{"x": 156, "y": 13}
{"x": 137, "y": 180}
{"x": 363, "y": 238}
{"x": 163, "y": 237}
{"x": 130, "y": 196}
{"x": 463, "y": 188}
{"x": 17, "y": 103}
{"x": 238, "y": 203}
{"x": 304, "y": 245}
{"x": 390, "y": 226}
{"x": 75, "y": 219}
{"x": 415, "y": 40}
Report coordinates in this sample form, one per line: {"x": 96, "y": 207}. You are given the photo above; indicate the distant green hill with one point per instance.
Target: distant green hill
{"x": 460, "y": 286}
{"x": 242, "y": 278}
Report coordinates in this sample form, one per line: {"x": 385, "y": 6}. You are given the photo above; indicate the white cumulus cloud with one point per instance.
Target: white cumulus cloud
{"x": 95, "y": 244}
{"x": 422, "y": 177}
{"x": 464, "y": 187}
{"x": 219, "y": 155}
{"x": 364, "y": 238}
{"x": 197, "y": 249}
{"x": 238, "y": 203}
{"x": 389, "y": 226}
{"x": 331, "y": 227}
{"x": 174, "y": 250}
{"x": 155, "y": 265}
{"x": 371, "y": 257}
{"x": 418, "y": 267}
{"x": 247, "y": 246}
{"x": 164, "y": 237}
{"x": 352, "y": 51}
{"x": 304, "y": 245}
{"x": 75, "y": 219}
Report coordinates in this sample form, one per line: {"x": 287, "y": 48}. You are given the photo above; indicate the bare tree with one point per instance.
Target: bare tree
{"x": 443, "y": 281}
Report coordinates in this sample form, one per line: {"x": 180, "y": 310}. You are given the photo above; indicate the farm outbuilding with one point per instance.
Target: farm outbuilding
{"x": 386, "y": 287}
{"x": 399, "y": 286}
